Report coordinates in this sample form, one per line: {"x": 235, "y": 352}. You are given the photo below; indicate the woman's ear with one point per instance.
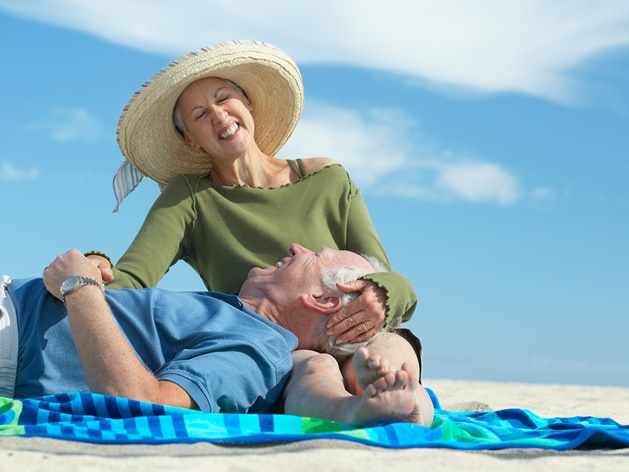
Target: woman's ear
{"x": 190, "y": 142}
{"x": 322, "y": 304}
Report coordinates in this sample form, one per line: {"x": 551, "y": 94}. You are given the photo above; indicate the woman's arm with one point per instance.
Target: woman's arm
{"x": 389, "y": 296}
{"x": 162, "y": 239}
{"x": 362, "y": 238}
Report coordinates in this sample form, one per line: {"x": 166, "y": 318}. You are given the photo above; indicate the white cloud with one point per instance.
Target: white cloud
{"x": 8, "y": 172}
{"x": 372, "y": 146}
{"x": 478, "y": 182}
{"x": 377, "y": 150}
{"x": 455, "y": 179}
{"x": 69, "y": 124}
{"x": 525, "y": 46}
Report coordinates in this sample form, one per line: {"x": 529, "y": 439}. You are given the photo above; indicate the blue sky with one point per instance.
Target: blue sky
{"x": 490, "y": 139}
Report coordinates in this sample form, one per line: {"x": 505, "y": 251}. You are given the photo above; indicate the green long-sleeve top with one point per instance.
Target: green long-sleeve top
{"x": 224, "y": 231}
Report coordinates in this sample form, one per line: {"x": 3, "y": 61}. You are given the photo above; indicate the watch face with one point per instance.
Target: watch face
{"x": 70, "y": 284}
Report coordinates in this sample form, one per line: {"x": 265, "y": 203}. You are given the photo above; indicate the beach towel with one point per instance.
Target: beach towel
{"x": 112, "y": 420}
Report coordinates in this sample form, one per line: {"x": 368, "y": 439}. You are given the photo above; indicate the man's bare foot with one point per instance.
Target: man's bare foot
{"x": 369, "y": 368}
{"x": 389, "y": 397}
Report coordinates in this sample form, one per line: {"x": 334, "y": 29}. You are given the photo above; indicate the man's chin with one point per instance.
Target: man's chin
{"x": 256, "y": 271}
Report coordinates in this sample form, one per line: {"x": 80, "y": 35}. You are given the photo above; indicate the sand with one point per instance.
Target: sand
{"x": 36, "y": 454}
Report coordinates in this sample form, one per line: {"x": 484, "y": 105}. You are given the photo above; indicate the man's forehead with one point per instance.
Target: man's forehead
{"x": 335, "y": 258}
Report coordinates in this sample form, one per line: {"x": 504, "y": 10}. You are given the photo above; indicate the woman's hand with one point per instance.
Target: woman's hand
{"x": 103, "y": 265}
{"x": 361, "y": 319}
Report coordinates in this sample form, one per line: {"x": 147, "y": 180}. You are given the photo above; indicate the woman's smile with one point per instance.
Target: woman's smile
{"x": 230, "y": 131}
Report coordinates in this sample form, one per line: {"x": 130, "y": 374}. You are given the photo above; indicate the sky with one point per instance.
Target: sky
{"x": 490, "y": 140}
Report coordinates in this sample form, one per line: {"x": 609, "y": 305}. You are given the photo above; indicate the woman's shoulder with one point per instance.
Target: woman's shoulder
{"x": 325, "y": 171}
{"x": 315, "y": 164}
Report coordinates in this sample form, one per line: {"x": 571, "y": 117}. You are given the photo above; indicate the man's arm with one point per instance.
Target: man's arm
{"x": 110, "y": 364}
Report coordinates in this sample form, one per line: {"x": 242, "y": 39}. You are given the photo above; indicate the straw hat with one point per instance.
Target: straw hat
{"x": 146, "y": 132}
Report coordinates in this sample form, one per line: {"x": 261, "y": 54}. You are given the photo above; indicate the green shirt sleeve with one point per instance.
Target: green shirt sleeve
{"x": 362, "y": 238}
{"x": 162, "y": 240}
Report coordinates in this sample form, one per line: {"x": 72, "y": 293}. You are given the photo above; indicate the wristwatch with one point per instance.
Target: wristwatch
{"x": 71, "y": 284}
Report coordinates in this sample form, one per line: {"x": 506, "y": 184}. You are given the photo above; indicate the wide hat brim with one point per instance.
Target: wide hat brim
{"x": 146, "y": 132}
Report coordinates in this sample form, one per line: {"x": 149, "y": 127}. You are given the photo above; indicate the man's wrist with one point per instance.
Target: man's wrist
{"x": 72, "y": 284}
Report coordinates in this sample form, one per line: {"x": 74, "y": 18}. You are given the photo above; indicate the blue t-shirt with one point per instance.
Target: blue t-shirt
{"x": 228, "y": 358}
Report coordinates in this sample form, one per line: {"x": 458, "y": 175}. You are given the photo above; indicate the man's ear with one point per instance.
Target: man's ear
{"x": 321, "y": 303}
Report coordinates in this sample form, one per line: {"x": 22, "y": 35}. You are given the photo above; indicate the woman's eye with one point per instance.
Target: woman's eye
{"x": 222, "y": 99}
{"x": 200, "y": 115}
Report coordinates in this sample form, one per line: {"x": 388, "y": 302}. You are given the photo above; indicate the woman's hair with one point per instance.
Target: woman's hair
{"x": 340, "y": 275}
{"x": 180, "y": 126}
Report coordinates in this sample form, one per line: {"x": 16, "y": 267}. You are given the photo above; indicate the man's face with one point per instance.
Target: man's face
{"x": 300, "y": 271}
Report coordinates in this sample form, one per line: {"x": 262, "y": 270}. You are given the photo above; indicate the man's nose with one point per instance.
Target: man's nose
{"x": 296, "y": 248}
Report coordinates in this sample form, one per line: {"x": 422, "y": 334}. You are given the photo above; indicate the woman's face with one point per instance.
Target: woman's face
{"x": 217, "y": 117}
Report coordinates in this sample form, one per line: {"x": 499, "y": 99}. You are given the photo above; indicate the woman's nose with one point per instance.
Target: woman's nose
{"x": 218, "y": 114}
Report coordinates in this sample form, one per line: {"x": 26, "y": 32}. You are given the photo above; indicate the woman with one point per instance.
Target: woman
{"x": 207, "y": 127}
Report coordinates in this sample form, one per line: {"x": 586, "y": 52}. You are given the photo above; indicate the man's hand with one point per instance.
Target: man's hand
{"x": 103, "y": 265}
{"x": 67, "y": 265}
{"x": 361, "y": 319}
{"x": 109, "y": 362}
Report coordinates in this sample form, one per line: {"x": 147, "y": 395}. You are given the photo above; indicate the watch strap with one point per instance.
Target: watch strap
{"x": 83, "y": 281}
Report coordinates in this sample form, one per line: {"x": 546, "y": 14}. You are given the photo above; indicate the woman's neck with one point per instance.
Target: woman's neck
{"x": 258, "y": 170}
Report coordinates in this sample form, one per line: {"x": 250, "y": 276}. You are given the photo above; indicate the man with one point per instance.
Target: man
{"x": 202, "y": 350}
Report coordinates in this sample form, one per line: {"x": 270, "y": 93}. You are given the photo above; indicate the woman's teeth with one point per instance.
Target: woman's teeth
{"x": 232, "y": 129}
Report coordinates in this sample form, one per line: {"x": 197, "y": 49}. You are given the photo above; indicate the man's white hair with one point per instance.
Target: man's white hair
{"x": 341, "y": 275}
